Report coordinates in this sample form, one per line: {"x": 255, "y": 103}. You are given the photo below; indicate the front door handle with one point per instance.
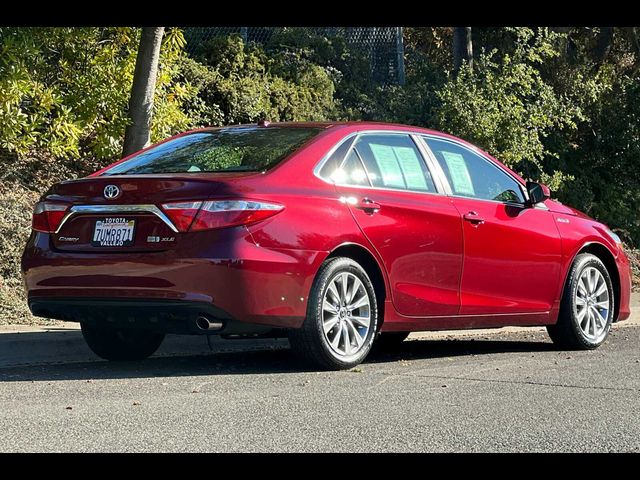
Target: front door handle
{"x": 368, "y": 206}
{"x": 474, "y": 218}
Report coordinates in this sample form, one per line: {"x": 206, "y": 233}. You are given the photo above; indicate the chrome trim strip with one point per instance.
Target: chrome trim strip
{"x": 442, "y": 185}
{"x": 323, "y": 160}
{"x": 433, "y": 166}
{"x": 103, "y": 209}
{"x": 475, "y": 150}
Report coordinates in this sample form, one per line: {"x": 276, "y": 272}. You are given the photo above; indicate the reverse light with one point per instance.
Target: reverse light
{"x": 47, "y": 216}
{"x": 197, "y": 216}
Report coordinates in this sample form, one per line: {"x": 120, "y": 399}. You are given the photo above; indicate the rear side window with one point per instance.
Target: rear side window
{"x": 354, "y": 170}
{"x": 383, "y": 161}
{"x": 225, "y": 150}
{"x": 334, "y": 162}
{"x": 471, "y": 175}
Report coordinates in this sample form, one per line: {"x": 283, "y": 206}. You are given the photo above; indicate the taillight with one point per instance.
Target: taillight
{"x": 196, "y": 216}
{"x": 47, "y": 216}
{"x": 182, "y": 213}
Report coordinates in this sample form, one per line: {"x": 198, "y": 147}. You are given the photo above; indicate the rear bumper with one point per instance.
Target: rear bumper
{"x": 223, "y": 272}
{"x": 166, "y": 316}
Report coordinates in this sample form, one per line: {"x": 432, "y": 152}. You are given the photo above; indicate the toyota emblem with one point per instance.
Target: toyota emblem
{"x": 111, "y": 191}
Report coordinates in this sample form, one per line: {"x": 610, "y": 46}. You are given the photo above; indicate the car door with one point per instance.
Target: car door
{"x": 512, "y": 251}
{"x": 415, "y": 229}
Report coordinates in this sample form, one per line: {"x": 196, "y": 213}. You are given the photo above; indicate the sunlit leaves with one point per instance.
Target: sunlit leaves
{"x": 65, "y": 90}
{"x": 240, "y": 83}
{"x": 506, "y": 107}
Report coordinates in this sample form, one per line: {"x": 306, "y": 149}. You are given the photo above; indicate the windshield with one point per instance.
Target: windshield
{"x": 240, "y": 149}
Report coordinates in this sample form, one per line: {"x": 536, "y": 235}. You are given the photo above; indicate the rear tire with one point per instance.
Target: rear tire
{"x": 120, "y": 344}
{"x": 586, "y": 310}
{"x": 342, "y": 317}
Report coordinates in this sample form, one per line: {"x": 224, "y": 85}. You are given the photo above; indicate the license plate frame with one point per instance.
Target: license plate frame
{"x": 113, "y": 232}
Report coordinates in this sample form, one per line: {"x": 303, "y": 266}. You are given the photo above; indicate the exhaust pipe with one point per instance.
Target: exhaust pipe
{"x": 205, "y": 324}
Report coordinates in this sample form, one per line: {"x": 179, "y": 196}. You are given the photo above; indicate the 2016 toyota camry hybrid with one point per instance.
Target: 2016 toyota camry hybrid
{"x": 339, "y": 234}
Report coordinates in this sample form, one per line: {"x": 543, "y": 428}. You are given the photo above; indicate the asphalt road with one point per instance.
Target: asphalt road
{"x": 500, "y": 391}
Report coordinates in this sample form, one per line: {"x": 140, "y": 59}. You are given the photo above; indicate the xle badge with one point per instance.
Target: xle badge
{"x": 152, "y": 239}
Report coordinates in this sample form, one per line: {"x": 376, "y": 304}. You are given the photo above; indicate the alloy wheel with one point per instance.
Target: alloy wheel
{"x": 346, "y": 314}
{"x": 592, "y": 304}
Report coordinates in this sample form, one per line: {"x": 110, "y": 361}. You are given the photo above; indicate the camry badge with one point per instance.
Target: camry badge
{"x": 111, "y": 191}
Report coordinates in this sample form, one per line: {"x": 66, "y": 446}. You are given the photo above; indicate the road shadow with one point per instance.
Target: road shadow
{"x": 419, "y": 349}
{"x": 229, "y": 357}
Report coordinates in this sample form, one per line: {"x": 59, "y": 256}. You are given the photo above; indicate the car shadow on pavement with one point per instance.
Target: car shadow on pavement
{"x": 62, "y": 355}
{"x": 420, "y": 349}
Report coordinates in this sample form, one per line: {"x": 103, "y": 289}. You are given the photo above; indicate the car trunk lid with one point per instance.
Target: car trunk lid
{"x": 126, "y": 213}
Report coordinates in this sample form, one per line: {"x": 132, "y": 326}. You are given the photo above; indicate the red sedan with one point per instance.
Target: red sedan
{"x": 339, "y": 234}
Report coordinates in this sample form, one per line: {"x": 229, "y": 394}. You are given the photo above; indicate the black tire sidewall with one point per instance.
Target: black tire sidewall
{"x": 315, "y": 311}
{"x": 120, "y": 344}
{"x": 583, "y": 262}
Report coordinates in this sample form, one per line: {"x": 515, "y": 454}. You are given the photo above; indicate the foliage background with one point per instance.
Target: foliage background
{"x": 553, "y": 105}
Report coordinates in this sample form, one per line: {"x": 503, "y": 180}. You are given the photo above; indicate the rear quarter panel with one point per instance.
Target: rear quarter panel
{"x": 314, "y": 221}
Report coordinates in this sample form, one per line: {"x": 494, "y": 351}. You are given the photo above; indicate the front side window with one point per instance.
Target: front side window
{"x": 384, "y": 161}
{"x": 225, "y": 150}
{"x": 471, "y": 175}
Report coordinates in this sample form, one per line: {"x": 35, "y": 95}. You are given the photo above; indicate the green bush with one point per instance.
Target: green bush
{"x": 504, "y": 106}
{"x": 64, "y": 91}
{"x": 239, "y": 83}
{"x": 603, "y": 155}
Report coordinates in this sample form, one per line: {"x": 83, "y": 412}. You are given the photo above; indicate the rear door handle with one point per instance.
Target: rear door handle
{"x": 473, "y": 217}
{"x": 368, "y": 206}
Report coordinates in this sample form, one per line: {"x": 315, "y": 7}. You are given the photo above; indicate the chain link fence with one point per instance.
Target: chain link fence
{"x": 382, "y": 45}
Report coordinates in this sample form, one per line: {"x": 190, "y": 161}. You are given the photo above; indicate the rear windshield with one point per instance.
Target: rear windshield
{"x": 243, "y": 149}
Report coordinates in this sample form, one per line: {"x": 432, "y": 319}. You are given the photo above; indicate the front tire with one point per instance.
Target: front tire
{"x": 342, "y": 317}
{"x": 587, "y": 307}
{"x": 120, "y": 344}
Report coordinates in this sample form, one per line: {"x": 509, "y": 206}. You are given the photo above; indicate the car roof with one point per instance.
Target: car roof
{"x": 350, "y": 125}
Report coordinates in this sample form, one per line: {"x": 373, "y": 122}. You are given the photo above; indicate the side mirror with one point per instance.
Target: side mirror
{"x": 538, "y": 192}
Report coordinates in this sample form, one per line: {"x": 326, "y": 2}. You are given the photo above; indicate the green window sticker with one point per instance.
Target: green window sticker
{"x": 411, "y": 168}
{"x": 459, "y": 173}
{"x": 388, "y": 164}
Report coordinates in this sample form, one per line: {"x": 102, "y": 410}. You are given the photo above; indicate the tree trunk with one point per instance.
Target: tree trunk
{"x": 137, "y": 134}
{"x": 603, "y": 45}
{"x": 462, "y": 47}
{"x": 570, "y": 49}
{"x": 634, "y": 37}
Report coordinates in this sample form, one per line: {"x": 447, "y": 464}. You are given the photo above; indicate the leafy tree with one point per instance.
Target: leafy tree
{"x": 505, "y": 106}
{"x": 239, "y": 83}
{"x": 64, "y": 91}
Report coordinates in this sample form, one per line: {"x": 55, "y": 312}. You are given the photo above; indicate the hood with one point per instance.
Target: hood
{"x": 558, "y": 207}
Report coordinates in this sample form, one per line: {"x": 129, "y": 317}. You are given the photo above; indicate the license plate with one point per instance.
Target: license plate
{"x": 113, "y": 232}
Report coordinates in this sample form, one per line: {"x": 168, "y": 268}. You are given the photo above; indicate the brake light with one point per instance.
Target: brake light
{"x": 47, "y": 216}
{"x": 197, "y": 216}
{"x": 228, "y": 213}
{"x": 182, "y": 213}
